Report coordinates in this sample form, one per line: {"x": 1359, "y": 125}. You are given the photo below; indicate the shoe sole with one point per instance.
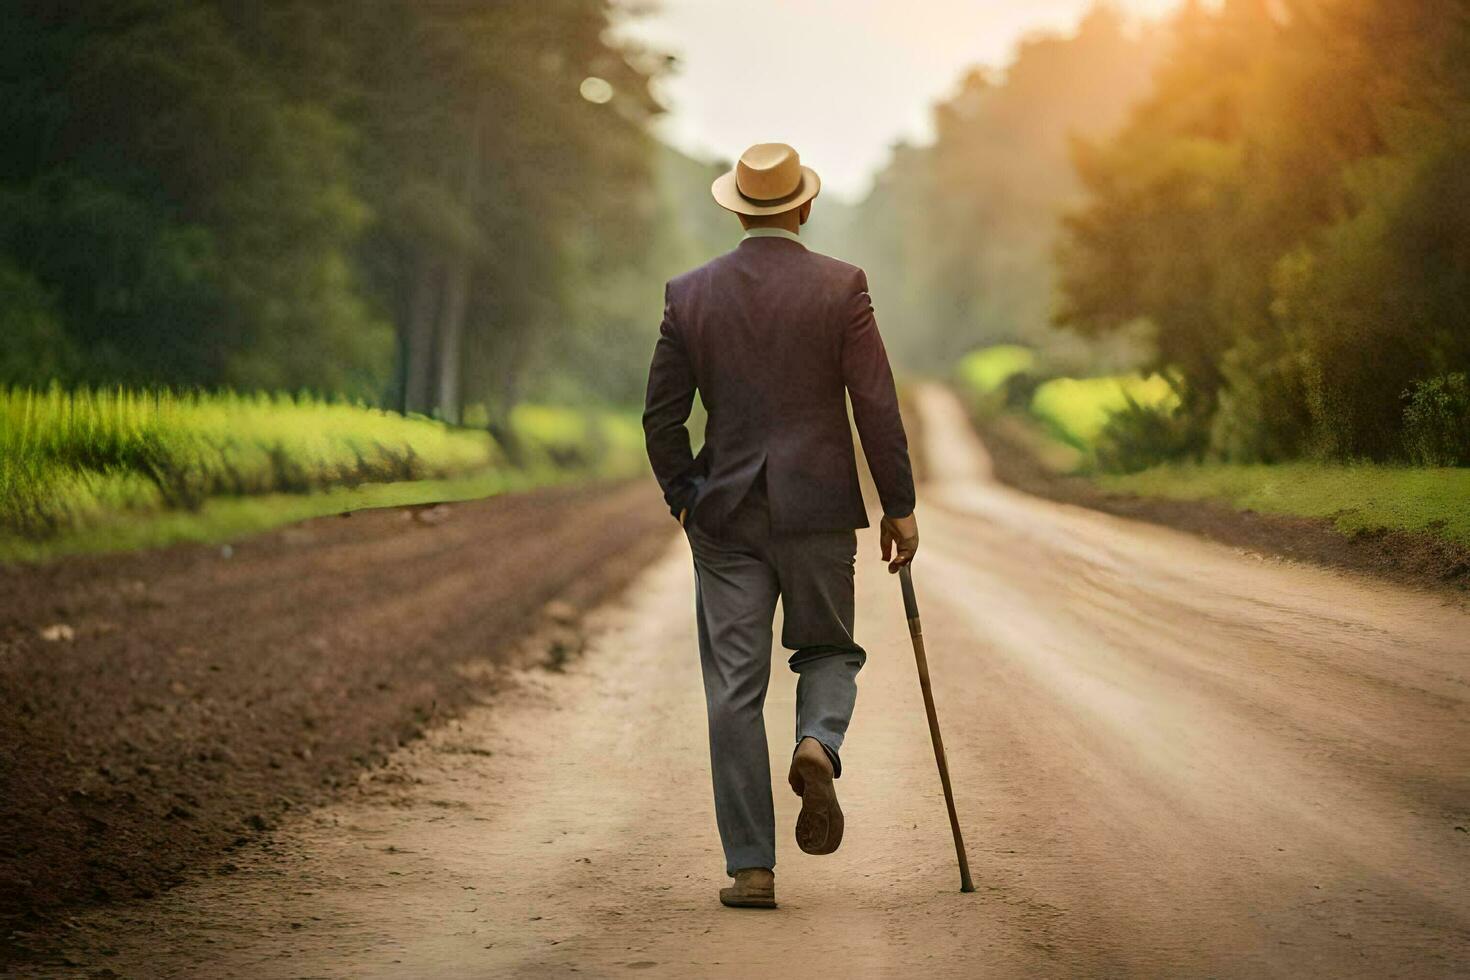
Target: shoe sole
{"x": 819, "y": 827}
{"x": 746, "y": 901}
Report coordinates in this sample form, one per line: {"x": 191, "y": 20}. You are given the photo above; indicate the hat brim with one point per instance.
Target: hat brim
{"x": 727, "y": 195}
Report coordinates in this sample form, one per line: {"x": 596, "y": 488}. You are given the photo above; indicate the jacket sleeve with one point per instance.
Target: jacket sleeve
{"x": 666, "y": 409}
{"x": 869, "y": 380}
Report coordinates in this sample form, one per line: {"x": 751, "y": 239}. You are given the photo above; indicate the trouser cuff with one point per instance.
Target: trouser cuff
{"x": 831, "y": 753}
{"x": 751, "y": 856}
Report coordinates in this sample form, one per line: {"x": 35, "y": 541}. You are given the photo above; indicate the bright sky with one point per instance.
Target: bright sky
{"x": 841, "y": 80}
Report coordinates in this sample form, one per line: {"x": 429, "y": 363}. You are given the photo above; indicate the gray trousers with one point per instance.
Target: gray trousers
{"x": 739, "y": 575}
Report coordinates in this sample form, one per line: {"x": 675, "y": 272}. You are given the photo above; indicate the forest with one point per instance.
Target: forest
{"x": 1264, "y": 201}
{"x": 427, "y": 206}
{"x": 1255, "y": 211}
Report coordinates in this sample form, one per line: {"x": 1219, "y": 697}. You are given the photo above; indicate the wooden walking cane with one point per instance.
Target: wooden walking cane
{"x": 916, "y": 633}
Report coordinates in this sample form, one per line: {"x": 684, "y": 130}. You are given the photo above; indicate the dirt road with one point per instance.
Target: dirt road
{"x": 1172, "y": 760}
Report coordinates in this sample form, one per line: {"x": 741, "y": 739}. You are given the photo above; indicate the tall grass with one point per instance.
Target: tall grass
{"x": 67, "y": 457}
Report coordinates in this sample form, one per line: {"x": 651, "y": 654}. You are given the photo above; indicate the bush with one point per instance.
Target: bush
{"x": 1138, "y": 436}
{"x": 996, "y": 378}
{"x": 983, "y": 371}
{"x": 1437, "y": 421}
{"x": 1263, "y": 414}
{"x": 1019, "y": 389}
{"x": 607, "y": 442}
{"x": 33, "y": 344}
{"x": 1078, "y": 409}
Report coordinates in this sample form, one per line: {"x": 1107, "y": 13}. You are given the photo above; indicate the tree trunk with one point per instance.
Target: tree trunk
{"x": 457, "y": 281}
{"x": 451, "y": 334}
{"x": 418, "y": 352}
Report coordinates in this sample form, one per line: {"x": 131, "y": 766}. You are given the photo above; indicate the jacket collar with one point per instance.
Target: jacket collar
{"x": 772, "y": 233}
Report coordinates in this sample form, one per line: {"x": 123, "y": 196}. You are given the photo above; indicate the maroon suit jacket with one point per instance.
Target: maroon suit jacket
{"x": 775, "y": 337}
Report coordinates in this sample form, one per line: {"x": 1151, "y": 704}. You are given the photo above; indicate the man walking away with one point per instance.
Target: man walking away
{"x": 775, "y": 338}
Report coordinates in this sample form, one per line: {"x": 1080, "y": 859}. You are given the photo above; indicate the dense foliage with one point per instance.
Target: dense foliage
{"x": 410, "y": 202}
{"x": 452, "y": 206}
{"x": 1265, "y": 201}
{"x": 957, "y": 236}
{"x": 1289, "y": 214}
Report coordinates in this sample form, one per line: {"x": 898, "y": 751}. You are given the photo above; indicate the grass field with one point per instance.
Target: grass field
{"x": 94, "y": 470}
{"x": 1355, "y": 498}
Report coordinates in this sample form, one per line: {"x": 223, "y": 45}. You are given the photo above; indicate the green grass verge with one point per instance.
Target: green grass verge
{"x": 70, "y": 458}
{"x": 1355, "y": 498}
{"x": 231, "y": 518}
{"x": 111, "y": 470}
{"x": 1067, "y": 414}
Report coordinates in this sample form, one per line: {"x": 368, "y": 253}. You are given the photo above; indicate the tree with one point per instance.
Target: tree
{"x": 268, "y": 194}
{"x": 957, "y": 236}
{"x": 1287, "y": 211}
{"x": 192, "y": 219}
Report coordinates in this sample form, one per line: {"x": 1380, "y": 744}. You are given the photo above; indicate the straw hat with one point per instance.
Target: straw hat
{"x": 768, "y": 179}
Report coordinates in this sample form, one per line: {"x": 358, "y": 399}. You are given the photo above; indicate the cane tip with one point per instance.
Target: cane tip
{"x": 967, "y": 887}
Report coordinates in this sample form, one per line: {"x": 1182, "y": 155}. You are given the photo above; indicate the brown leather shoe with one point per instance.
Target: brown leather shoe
{"x": 754, "y": 888}
{"x": 819, "y": 827}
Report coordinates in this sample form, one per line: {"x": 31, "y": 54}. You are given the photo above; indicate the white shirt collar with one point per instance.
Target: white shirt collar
{"x": 774, "y": 233}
